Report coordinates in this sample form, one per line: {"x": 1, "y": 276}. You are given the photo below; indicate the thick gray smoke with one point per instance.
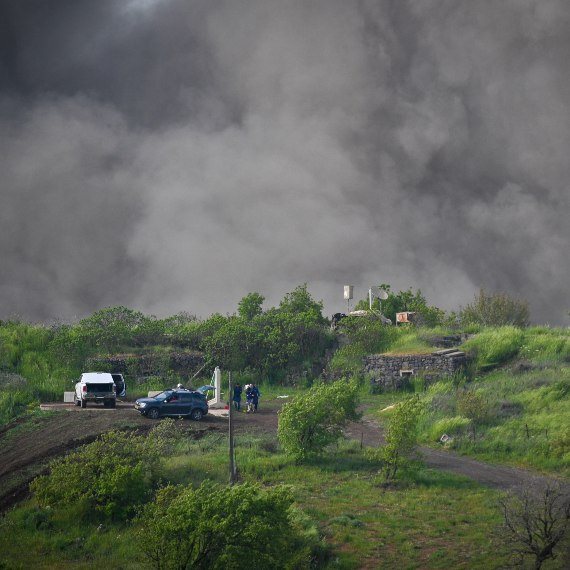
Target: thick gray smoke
{"x": 175, "y": 155}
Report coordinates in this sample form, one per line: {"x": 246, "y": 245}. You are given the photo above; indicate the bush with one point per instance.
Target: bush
{"x": 472, "y": 405}
{"x": 495, "y": 310}
{"x": 311, "y": 422}
{"x": 109, "y": 477}
{"x": 401, "y": 437}
{"x": 222, "y": 527}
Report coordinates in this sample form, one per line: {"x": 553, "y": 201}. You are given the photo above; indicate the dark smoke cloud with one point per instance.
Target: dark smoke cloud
{"x": 176, "y": 155}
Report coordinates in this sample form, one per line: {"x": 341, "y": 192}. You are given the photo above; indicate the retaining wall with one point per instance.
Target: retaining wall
{"x": 394, "y": 372}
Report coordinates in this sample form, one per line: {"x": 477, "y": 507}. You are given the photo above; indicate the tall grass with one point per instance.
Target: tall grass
{"x": 544, "y": 345}
{"x": 495, "y": 346}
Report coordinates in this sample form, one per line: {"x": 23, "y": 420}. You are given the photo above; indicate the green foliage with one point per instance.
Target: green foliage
{"x": 495, "y": 346}
{"x": 546, "y": 345}
{"x": 113, "y": 327}
{"x": 473, "y": 406}
{"x": 311, "y": 422}
{"x": 272, "y": 341}
{"x": 222, "y": 527}
{"x": 449, "y": 426}
{"x": 300, "y": 301}
{"x": 495, "y": 310}
{"x": 401, "y": 437}
{"x": 234, "y": 346}
{"x": 251, "y": 306}
{"x": 109, "y": 478}
{"x": 408, "y": 300}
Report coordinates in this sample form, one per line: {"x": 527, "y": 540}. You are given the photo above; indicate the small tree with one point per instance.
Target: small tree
{"x": 536, "y": 519}
{"x": 401, "y": 437}
{"x": 251, "y": 306}
{"x": 495, "y": 309}
{"x": 215, "y": 527}
{"x": 472, "y": 405}
{"x": 311, "y": 422}
{"x": 300, "y": 301}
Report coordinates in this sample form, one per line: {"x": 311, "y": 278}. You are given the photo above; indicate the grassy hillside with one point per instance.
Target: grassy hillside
{"x": 425, "y": 519}
{"x": 512, "y": 405}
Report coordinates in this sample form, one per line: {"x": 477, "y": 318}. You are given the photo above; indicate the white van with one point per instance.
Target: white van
{"x": 99, "y": 387}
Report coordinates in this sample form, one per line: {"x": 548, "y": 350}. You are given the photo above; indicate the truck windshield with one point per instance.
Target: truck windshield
{"x": 99, "y": 387}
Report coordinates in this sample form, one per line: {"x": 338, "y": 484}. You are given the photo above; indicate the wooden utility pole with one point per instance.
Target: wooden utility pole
{"x": 233, "y": 472}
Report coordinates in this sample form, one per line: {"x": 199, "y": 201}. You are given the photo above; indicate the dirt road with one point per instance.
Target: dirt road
{"x": 27, "y": 446}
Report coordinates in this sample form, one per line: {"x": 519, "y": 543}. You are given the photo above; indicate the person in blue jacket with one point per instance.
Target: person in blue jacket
{"x": 255, "y": 394}
{"x": 237, "y": 396}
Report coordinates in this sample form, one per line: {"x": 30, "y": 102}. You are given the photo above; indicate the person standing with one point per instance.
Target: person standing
{"x": 237, "y": 396}
{"x": 255, "y": 396}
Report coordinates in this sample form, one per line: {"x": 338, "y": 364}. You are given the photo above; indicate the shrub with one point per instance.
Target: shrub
{"x": 472, "y": 405}
{"x": 222, "y": 527}
{"x": 311, "y": 422}
{"x": 495, "y": 309}
{"x": 401, "y": 437}
{"x": 109, "y": 477}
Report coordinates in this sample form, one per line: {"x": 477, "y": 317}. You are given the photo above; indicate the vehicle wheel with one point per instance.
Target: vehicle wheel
{"x": 196, "y": 414}
{"x": 112, "y": 404}
{"x": 153, "y": 413}
{"x": 83, "y": 403}
{"x": 76, "y": 401}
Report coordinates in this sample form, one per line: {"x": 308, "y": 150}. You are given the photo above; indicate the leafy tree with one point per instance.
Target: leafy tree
{"x": 272, "y": 341}
{"x": 300, "y": 301}
{"x": 495, "y": 309}
{"x": 215, "y": 527}
{"x": 250, "y": 306}
{"x": 234, "y": 345}
{"x": 311, "y": 422}
{"x": 111, "y": 327}
{"x": 536, "y": 520}
{"x": 401, "y": 437}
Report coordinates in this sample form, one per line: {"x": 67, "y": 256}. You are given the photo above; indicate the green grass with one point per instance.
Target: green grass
{"x": 526, "y": 424}
{"x": 495, "y": 346}
{"x": 428, "y": 520}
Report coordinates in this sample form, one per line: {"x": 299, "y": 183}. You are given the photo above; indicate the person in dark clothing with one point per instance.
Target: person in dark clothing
{"x": 255, "y": 396}
{"x": 237, "y": 396}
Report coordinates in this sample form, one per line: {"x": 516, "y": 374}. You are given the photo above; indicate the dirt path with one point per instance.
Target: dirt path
{"x": 27, "y": 446}
{"x": 496, "y": 476}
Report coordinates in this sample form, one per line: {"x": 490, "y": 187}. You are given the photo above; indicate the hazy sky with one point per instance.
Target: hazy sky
{"x": 175, "y": 155}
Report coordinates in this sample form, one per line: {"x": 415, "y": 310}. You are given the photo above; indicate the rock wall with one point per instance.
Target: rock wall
{"x": 395, "y": 372}
{"x": 141, "y": 366}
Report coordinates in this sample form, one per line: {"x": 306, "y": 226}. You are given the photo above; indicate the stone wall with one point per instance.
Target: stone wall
{"x": 395, "y": 372}
{"x": 141, "y": 366}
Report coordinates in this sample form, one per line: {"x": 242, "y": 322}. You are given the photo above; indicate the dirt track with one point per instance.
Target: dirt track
{"x": 27, "y": 447}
